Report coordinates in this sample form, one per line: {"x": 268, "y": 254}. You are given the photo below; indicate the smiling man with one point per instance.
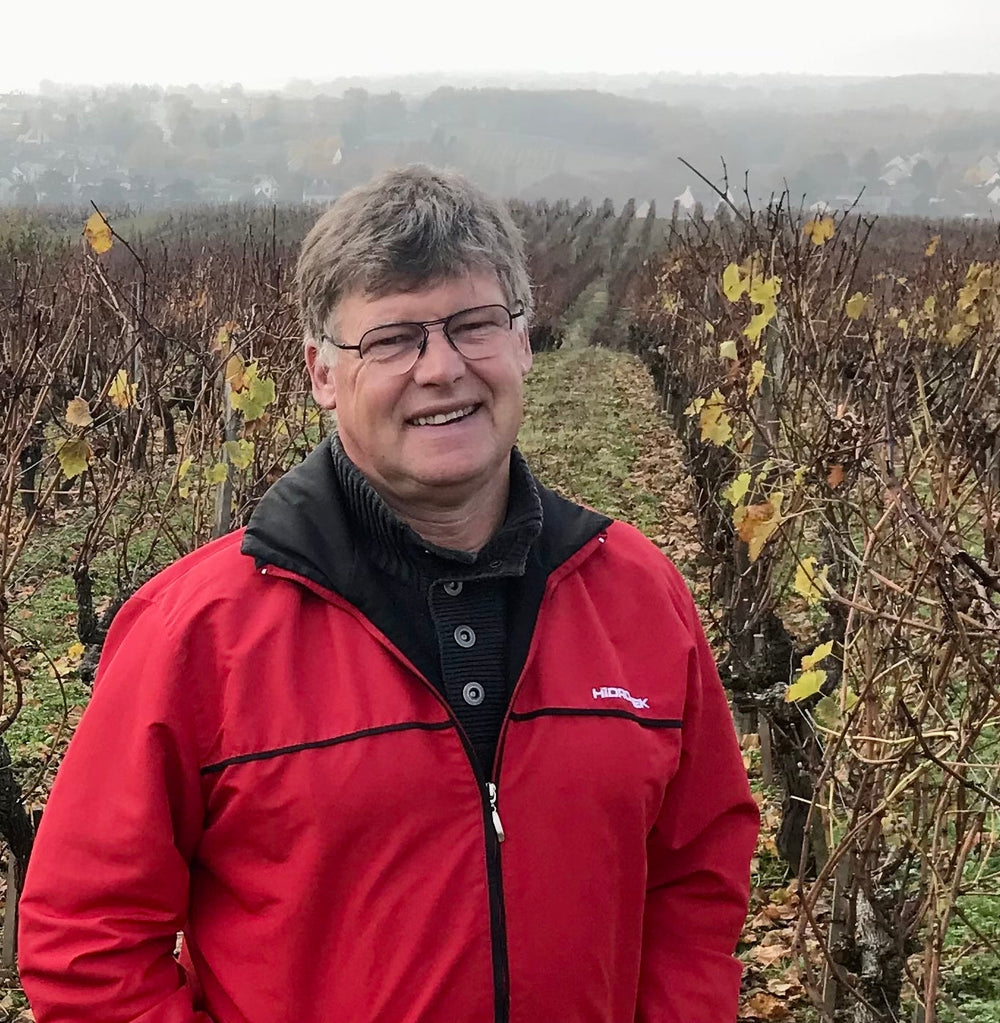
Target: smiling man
{"x": 426, "y": 742}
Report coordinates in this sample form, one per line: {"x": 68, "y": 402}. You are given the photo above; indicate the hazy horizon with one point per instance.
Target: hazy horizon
{"x": 265, "y": 48}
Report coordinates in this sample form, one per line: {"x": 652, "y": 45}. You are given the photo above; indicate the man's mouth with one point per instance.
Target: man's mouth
{"x": 440, "y": 418}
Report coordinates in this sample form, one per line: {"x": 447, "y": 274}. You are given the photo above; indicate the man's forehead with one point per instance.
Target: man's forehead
{"x": 413, "y": 299}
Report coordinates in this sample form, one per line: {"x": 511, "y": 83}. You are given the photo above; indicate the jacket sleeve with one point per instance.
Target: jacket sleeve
{"x": 107, "y": 885}
{"x": 699, "y": 860}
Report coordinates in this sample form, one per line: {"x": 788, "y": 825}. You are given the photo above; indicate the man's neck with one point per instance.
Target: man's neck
{"x": 466, "y": 525}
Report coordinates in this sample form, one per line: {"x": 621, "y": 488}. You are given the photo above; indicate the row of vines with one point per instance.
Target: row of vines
{"x": 840, "y": 409}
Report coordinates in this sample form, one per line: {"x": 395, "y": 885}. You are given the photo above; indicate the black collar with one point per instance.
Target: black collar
{"x": 304, "y": 525}
{"x": 399, "y": 550}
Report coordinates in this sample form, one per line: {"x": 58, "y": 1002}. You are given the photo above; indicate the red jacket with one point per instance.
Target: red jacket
{"x": 262, "y": 768}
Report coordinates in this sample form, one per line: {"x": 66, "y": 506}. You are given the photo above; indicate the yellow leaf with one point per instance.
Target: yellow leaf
{"x": 856, "y": 305}
{"x": 217, "y": 474}
{"x": 98, "y": 233}
{"x": 756, "y": 377}
{"x": 760, "y": 320}
{"x": 810, "y": 582}
{"x": 734, "y": 286}
{"x": 820, "y": 231}
{"x": 221, "y": 343}
{"x": 240, "y": 452}
{"x": 737, "y": 490}
{"x": 75, "y": 651}
{"x": 257, "y": 393}
{"x": 932, "y": 246}
{"x": 799, "y": 476}
{"x": 727, "y": 350}
{"x": 121, "y": 392}
{"x": 695, "y": 407}
{"x": 78, "y": 413}
{"x": 757, "y": 523}
{"x": 715, "y": 425}
{"x": 236, "y": 373}
{"x": 764, "y": 292}
{"x": 820, "y": 653}
{"x": 74, "y": 456}
{"x": 807, "y": 684}
{"x": 184, "y": 467}
{"x": 930, "y": 304}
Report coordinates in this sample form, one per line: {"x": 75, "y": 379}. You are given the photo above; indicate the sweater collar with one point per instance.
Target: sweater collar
{"x": 400, "y": 551}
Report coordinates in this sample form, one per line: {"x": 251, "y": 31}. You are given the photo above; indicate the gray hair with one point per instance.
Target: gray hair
{"x": 408, "y": 228}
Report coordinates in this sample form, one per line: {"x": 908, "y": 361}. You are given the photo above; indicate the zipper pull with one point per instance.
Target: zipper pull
{"x": 492, "y": 789}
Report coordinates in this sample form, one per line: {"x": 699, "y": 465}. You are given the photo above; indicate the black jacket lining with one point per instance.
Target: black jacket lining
{"x": 587, "y": 712}
{"x": 364, "y": 733}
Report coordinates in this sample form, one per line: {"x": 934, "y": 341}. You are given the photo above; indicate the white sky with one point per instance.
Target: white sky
{"x": 264, "y": 43}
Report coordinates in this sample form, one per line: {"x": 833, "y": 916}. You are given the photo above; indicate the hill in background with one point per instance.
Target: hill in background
{"x": 924, "y": 145}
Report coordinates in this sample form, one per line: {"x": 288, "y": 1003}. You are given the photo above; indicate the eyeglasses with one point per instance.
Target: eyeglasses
{"x": 474, "y": 333}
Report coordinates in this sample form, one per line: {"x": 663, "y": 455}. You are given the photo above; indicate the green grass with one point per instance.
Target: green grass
{"x": 584, "y": 428}
{"x": 582, "y": 317}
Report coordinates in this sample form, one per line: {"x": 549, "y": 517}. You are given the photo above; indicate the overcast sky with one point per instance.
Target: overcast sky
{"x": 264, "y": 43}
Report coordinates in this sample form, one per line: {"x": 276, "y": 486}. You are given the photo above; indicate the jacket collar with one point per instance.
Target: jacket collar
{"x": 304, "y": 525}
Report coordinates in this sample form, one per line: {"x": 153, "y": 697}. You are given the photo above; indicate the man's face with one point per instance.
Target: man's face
{"x": 377, "y": 411}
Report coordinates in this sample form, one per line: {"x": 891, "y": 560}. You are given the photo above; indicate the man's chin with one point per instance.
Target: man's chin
{"x": 448, "y": 476}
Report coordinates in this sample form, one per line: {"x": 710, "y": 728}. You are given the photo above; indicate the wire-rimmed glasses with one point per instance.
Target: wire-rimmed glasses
{"x": 474, "y": 333}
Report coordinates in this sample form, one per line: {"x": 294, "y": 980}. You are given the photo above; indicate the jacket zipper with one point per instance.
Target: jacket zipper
{"x": 497, "y": 824}
{"x": 494, "y": 832}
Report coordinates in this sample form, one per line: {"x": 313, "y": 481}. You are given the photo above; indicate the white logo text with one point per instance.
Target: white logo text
{"x": 614, "y": 693}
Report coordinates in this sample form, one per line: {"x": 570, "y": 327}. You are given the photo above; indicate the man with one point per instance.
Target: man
{"x": 425, "y": 743}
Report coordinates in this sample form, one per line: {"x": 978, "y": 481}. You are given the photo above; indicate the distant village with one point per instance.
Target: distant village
{"x": 145, "y": 147}
{"x": 915, "y": 185}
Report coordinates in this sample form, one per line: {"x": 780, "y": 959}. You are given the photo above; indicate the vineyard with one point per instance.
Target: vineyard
{"x": 830, "y": 394}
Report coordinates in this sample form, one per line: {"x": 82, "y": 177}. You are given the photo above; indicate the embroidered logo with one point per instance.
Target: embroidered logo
{"x": 614, "y": 693}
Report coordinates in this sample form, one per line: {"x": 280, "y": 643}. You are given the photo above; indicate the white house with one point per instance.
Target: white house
{"x": 686, "y": 200}
{"x": 265, "y": 188}
{"x": 34, "y": 137}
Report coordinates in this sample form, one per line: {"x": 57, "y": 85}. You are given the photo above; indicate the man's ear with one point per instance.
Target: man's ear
{"x": 321, "y": 375}
{"x": 524, "y": 355}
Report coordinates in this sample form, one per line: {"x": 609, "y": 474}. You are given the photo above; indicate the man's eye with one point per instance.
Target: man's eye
{"x": 392, "y": 341}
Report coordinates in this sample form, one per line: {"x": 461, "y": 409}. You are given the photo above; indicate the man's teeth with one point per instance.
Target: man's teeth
{"x": 443, "y": 417}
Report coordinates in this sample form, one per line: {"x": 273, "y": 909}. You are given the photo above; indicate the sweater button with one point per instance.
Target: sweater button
{"x": 453, "y": 587}
{"x": 465, "y": 637}
{"x": 473, "y": 694}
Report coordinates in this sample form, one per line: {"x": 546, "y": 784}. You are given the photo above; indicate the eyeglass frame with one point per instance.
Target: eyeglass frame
{"x": 423, "y": 325}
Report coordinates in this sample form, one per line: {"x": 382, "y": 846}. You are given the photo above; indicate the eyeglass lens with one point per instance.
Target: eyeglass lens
{"x": 474, "y": 332}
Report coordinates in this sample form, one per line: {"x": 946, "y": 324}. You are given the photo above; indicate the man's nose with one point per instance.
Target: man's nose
{"x": 440, "y": 360}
